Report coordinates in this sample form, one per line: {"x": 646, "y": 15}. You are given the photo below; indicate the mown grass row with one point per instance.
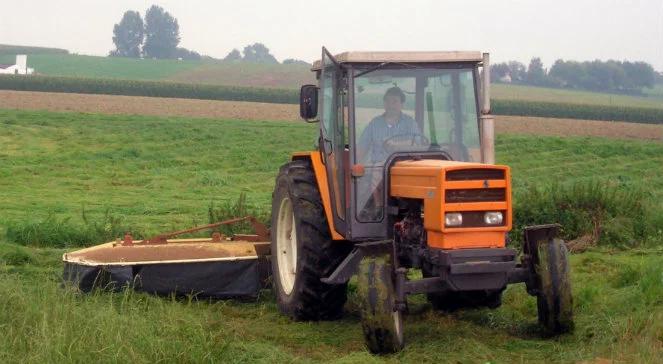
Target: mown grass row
{"x": 289, "y": 96}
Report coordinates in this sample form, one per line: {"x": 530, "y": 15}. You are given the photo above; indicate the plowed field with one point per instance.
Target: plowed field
{"x": 132, "y": 105}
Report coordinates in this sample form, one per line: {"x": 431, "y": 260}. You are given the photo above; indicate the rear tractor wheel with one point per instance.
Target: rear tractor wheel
{"x": 381, "y": 322}
{"x": 303, "y": 251}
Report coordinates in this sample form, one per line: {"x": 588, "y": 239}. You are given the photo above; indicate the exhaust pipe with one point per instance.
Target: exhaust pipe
{"x": 487, "y": 120}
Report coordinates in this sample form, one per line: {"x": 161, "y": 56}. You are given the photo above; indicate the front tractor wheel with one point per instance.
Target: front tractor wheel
{"x": 381, "y": 322}
{"x": 303, "y": 251}
{"x": 554, "y": 298}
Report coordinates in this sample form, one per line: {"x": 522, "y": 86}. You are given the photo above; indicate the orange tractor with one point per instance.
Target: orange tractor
{"x": 404, "y": 178}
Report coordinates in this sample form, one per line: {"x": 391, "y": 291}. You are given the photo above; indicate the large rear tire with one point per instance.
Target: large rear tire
{"x": 303, "y": 251}
{"x": 381, "y": 322}
{"x": 554, "y": 299}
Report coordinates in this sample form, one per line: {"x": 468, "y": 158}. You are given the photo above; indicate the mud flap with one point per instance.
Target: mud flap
{"x": 532, "y": 237}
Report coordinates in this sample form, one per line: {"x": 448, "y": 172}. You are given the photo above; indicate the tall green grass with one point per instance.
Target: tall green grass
{"x": 63, "y": 232}
{"x": 227, "y": 210}
{"x": 607, "y": 213}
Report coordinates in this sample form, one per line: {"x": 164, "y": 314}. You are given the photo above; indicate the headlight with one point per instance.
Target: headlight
{"x": 453, "y": 219}
{"x": 493, "y": 218}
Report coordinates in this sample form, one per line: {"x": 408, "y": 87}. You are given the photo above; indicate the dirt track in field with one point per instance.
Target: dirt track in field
{"x": 133, "y": 105}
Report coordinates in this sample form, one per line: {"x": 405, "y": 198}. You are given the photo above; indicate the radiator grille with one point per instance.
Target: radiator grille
{"x": 475, "y": 174}
{"x": 475, "y": 195}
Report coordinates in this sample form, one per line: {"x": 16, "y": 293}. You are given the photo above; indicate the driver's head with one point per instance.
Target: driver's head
{"x": 393, "y": 100}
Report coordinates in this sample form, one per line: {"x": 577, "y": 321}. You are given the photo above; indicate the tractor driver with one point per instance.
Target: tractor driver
{"x": 373, "y": 148}
{"x": 386, "y": 127}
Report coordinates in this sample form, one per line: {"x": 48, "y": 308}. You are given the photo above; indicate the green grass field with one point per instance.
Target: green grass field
{"x": 162, "y": 173}
{"x": 282, "y": 76}
{"x": 70, "y": 65}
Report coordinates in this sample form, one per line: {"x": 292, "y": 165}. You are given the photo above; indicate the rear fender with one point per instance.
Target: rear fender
{"x": 323, "y": 187}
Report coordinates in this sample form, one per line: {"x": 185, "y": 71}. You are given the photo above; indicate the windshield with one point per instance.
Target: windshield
{"x": 410, "y": 110}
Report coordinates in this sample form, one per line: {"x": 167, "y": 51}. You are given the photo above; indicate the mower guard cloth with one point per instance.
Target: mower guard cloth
{"x": 200, "y": 267}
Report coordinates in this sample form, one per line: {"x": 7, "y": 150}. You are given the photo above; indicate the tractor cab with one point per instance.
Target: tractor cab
{"x": 376, "y": 108}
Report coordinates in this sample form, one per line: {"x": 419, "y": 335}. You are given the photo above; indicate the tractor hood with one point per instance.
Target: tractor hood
{"x": 468, "y": 189}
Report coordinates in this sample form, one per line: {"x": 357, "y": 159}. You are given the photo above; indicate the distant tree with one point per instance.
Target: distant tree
{"x": 233, "y": 56}
{"x": 258, "y": 53}
{"x": 536, "y": 74}
{"x": 128, "y": 35}
{"x": 599, "y": 76}
{"x": 183, "y": 53}
{"x": 518, "y": 71}
{"x": 658, "y": 77}
{"x": 499, "y": 71}
{"x": 641, "y": 74}
{"x": 295, "y": 61}
{"x": 162, "y": 33}
{"x": 567, "y": 73}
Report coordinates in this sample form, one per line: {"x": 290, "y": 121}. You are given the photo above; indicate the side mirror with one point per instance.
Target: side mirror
{"x": 308, "y": 102}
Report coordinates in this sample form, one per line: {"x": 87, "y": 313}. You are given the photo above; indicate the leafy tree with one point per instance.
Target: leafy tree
{"x": 258, "y": 53}
{"x": 567, "y": 73}
{"x": 183, "y": 53}
{"x": 658, "y": 77}
{"x": 536, "y": 74}
{"x": 499, "y": 70}
{"x": 640, "y": 73}
{"x": 233, "y": 56}
{"x": 128, "y": 35}
{"x": 162, "y": 33}
{"x": 518, "y": 71}
{"x": 295, "y": 61}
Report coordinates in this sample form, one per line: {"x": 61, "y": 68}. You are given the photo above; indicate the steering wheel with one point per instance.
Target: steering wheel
{"x": 392, "y": 143}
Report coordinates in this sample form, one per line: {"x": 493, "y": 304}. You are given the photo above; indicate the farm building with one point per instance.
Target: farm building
{"x": 20, "y": 68}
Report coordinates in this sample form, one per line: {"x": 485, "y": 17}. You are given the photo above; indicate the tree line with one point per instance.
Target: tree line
{"x": 606, "y": 76}
{"x": 158, "y": 36}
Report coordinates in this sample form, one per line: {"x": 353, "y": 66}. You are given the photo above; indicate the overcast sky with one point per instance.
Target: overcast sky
{"x": 509, "y": 29}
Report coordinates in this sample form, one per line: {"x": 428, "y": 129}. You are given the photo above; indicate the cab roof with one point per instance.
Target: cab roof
{"x": 405, "y": 57}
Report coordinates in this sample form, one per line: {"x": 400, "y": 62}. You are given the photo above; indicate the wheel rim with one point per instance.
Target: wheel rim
{"x": 398, "y": 326}
{"x": 286, "y": 244}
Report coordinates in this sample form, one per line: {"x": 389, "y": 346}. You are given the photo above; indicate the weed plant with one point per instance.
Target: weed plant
{"x": 611, "y": 214}
{"x": 62, "y": 232}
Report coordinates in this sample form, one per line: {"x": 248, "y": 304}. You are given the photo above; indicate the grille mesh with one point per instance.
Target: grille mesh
{"x": 475, "y": 195}
{"x": 475, "y": 174}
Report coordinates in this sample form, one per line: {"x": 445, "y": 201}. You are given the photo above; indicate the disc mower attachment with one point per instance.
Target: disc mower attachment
{"x": 216, "y": 267}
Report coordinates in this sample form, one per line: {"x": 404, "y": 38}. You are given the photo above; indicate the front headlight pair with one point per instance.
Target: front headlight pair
{"x": 454, "y": 219}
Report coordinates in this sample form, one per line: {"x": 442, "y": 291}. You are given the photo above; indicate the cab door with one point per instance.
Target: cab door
{"x": 333, "y": 91}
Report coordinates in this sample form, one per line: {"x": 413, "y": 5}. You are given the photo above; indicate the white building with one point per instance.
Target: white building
{"x": 20, "y": 68}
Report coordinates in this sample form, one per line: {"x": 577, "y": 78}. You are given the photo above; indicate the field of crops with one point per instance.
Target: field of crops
{"x": 132, "y": 105}
{"x": 149, "y": 174}
{"x": 281, "y": 76}
{"x": 290, "y": 96}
